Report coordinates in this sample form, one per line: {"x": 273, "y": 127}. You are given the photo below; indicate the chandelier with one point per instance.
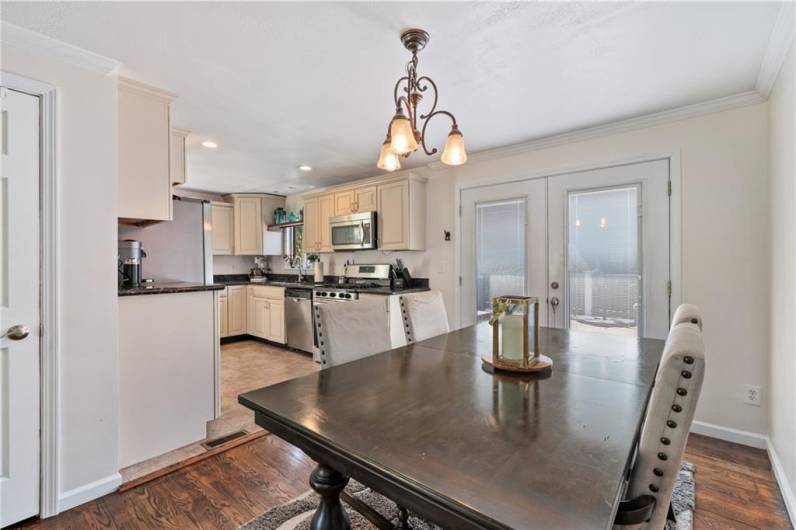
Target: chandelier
{"x": 403, "y": 135}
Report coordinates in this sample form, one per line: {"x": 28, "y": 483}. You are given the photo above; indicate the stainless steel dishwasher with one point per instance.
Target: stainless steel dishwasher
{"x": 298, "y": 319}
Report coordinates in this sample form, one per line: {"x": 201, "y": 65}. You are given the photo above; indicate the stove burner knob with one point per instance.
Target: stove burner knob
{"x": 332, "y": 294}
{"x": 347, "y": 295}
{"x": 321, "y": 294}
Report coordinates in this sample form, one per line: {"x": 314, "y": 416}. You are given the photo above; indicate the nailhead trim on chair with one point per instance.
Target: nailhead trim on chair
{"x": 682, "y": 392}
{"x": 686, "y": 374}
{"x": 671, "y": 424}
{"x": 658, "y": 472}
{"x": 320, "y": 334}
{"x": 677, "y": 408}
{"x": 662, "y": 456}
{"x": 688, "y": 359}
{"x": 407, "y": 327}
{"x": 653, "y": 488}
{"x": 665, "y": 440}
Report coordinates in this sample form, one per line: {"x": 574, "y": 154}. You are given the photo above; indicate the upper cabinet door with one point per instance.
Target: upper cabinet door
{"x": 326, "y": 212}
{"x": 344, "y": 202}
{"x": 393, "y": 215}
{"x": 144, "y": 145}
{"x": 402, "y": 215}
{"x": 312, "y": 234}
{"x": 365, "y": 199}
{"x": 177, "y": 158}
{"x": 223, "y": 229}
{"x": 248, "y": 226}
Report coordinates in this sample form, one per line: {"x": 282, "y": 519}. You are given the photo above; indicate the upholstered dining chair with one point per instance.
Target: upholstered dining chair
{"x": 687, "y": 313}
{"x": 665, "y": 431}
{"x": 348, "y": 331}
{"x": 424, "y": 315}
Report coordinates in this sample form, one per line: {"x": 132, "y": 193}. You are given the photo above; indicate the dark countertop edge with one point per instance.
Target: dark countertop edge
{"x": 377, "y": 290}
{"x": 171, "y": 288}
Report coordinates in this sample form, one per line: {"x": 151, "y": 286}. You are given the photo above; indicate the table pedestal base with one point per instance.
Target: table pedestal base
{"x": 330, "y": 514}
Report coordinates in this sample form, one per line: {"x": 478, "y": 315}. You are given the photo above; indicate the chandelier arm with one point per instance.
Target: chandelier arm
{"x": 434, "y": 86}
{"x": 425, "y": 124}
{"x": 409, "y": 110}
{"x": 397, "y": 85}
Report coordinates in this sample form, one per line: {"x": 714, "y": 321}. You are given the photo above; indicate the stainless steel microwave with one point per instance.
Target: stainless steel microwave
{"x": 356, "y": 231}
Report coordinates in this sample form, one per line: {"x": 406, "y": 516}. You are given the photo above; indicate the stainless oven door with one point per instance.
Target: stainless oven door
{"x": 353, "y": 232}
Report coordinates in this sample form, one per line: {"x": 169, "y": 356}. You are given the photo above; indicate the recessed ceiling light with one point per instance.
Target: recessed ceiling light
{"x": 305, "y": 167}
{"x": 209, "y": 144}
{"x": 291, "y": 187}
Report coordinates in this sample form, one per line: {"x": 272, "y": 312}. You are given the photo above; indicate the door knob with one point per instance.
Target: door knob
{"x": 17, "y": 332}
{"x": 554, "y": 301}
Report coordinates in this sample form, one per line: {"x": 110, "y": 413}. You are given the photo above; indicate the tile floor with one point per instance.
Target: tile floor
{"x": 245, "y": 365}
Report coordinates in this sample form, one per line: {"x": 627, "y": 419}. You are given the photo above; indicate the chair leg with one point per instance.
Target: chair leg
{"x": 670, "y": 516}
{"x": 403, "y": 518}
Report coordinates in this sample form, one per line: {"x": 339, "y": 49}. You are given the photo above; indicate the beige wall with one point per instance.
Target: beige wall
{"x": 88, "y": 384}
{"x": 783, "y": 269}
{"x": 723, "y": 162}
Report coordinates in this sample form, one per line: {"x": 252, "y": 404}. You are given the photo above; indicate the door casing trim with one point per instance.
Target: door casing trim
{"x": 675, "y": 213}
{"x": 49, "y": 281}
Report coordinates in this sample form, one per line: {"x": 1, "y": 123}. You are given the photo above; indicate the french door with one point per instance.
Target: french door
{"x": 593, "y": 246}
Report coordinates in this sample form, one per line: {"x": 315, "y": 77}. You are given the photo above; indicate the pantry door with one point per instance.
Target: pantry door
{"x": 19, "y": 306}
{"x": 608, "y": 249}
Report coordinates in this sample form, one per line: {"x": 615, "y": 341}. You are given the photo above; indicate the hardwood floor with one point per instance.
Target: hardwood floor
{"x": 735, "y": 489}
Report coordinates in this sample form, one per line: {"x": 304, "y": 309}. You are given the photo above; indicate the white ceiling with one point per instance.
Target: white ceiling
{"x": 282, "y": 84}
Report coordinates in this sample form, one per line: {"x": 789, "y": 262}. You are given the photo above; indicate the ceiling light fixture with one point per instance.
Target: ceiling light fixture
{"x": 209, "y": 144}
{"x": 305, "y": 167}
{"x": 403, "y": 136}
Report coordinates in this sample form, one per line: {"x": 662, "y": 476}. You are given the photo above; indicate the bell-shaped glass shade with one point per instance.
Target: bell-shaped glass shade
{"x": 454, "y": 153}
{"x": 388, "y": 160}
{"x": 403, "y": 137}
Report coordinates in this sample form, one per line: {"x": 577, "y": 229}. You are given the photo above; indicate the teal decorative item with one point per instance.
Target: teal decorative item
{"x": 292, "y": 217}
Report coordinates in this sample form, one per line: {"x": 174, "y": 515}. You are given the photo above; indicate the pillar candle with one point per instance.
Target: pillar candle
{"x": 512, "y": 337}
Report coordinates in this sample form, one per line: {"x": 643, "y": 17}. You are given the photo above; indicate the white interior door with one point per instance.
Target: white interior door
{"x": 609, "y": 250}
{"x": 504, "y": 247}
{"x": 19, "y": 307}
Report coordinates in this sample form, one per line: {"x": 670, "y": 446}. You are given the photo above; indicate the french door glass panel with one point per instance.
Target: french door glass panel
{"x": 500, "y": 251}
{"x": 603, "y": 260}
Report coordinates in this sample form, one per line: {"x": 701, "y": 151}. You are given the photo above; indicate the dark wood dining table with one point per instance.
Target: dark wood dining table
{"x": 426, "y": 426}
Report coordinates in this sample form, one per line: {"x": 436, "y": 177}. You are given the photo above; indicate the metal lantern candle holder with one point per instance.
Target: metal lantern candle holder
{"x": 515, "y": 336}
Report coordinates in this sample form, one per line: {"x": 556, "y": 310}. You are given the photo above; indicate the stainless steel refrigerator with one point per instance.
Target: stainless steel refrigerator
{"x": 178, "y": 250}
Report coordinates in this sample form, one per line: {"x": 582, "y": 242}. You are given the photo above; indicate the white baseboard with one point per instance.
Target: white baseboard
{"x": 752, "y": 439}
{"x": 782, "y": 480}
{"x": 89, "y": 492}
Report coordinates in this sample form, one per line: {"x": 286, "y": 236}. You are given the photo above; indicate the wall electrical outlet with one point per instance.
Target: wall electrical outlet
{"x": 752, "y": 395}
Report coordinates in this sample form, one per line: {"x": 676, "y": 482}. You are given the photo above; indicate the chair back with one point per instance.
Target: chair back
{"x": 424, "y": 315}
{"x": 687, "y": 313}
{"x": 668, "y": 420}
{"x": 348, "y": 331}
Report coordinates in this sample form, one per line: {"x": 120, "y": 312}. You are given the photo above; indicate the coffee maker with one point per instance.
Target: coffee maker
{"x": 131, "y": 256}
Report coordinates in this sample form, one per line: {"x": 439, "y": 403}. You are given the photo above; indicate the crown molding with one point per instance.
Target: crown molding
{"x": 27, "y": 40}
{"x": 142, "y": 88}
{"x": 641, "y": 122}
{"x": 777, "y": 50}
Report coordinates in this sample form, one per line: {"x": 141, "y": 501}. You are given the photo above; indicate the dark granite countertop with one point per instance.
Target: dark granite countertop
{"x": 288, "y": 281}
{"x": 169, "y": 288}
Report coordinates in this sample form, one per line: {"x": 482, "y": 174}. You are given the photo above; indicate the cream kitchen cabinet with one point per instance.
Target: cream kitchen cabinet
{"x": 326, "y": 212}
{"x": 236, "y": 310}
{"x": 344, "y": 202}
{"x": 402, "y": 215}
{"x": 144, "y": 129}
{"x": 223, "y": 228}
{"x": 248, "y": 223}
{"x": 223, "y": 312}
{"x": 365, "y": 199}
{"x": 265, "y": 315}
{"x": 317, "y": 212}
{"x": 312, "y": 238}
{"x": 177, "y": 158}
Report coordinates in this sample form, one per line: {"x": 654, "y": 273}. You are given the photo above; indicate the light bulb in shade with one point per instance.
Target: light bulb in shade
{"x": 454, "y": 153}
{"x": 388, "y": 160}
{"x": 403, "y": 137}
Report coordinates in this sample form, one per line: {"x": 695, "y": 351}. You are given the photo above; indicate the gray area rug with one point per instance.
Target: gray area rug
{"x": 297, "y": 514}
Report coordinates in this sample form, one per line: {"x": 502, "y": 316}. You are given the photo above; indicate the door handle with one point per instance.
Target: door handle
{"x": 17, "y": 332}
{"x": 554, "y": 302}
